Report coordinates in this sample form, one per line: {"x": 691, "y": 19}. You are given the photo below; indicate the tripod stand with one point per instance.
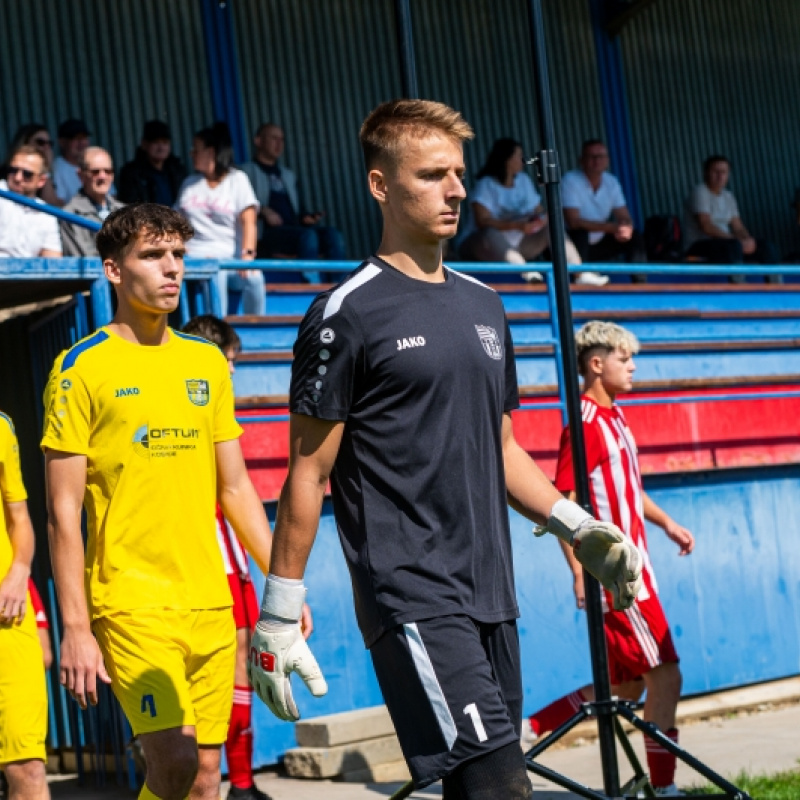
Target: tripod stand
{"x": 604, "y": 708}
{"x": 639, "y": 784}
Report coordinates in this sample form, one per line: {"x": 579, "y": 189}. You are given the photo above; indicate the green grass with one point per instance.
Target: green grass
{"x": 780, "y": 786}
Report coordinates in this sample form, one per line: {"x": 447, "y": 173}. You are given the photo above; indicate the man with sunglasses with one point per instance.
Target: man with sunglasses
{"x": 92, "y": 202}
{"x": 25, "y": 232}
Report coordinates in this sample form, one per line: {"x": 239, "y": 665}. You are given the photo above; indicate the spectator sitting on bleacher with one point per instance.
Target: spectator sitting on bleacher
{"x": 36, "y": 135}
{"x": 73, "y": 139}
{"x": 713, "y": 229}
{"x": 285, "y": 227}
{"x": 219, "y": 202}
{"x": 25, "y": 232}
{"x": 155, "y": 175}
{"x": 596, "y": 213}
{"x": 507, "y": 220}
{"x": 93, "y": 202}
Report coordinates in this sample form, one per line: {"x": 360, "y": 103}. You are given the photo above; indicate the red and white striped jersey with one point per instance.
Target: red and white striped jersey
{"x": 233, "y": 554}
{"x": 615, "y": 482}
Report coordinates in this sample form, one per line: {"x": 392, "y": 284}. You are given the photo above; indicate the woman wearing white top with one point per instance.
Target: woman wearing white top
{"x": 508, "y": 222}
{"x": 220, "y": 203}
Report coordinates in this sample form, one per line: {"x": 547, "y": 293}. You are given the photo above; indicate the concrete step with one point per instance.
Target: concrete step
{"x": 325, "y": 762}
{"x": 378, "y": 773}
{"x": 349, "y": 726}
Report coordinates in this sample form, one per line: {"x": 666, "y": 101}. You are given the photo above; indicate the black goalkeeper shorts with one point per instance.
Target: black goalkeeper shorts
{"x": 453, "y": 688}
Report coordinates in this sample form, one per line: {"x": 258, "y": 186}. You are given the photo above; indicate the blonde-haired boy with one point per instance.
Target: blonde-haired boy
{"x": 640, "y": 649}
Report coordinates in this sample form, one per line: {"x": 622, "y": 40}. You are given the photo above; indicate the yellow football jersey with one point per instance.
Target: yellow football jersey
{"x": 11, "y": 485}
{"x": 147, "y": 419}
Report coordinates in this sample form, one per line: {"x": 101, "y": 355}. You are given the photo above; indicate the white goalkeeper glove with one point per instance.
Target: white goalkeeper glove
{"x": 278, "y": 648}
{"x": 600, "y": 547}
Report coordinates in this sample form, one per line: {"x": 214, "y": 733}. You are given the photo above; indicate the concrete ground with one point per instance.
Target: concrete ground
{"x": 753, "y": 729}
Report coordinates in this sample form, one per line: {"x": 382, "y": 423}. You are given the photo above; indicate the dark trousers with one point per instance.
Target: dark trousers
{"x": 305, "y": 242}
{"x": 729, "y": 251}
{"x": 609, "y": 249}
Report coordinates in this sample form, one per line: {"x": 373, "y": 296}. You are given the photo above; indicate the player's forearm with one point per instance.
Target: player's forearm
{"x": 245, "y": 512}
{"x": 65, "y": 475}
{"x": 296, "y": 525}
{"x": 67, "y": 557}
{"x": 654, "y": 513}
{"x": 529, "y": 490}
{"x": 20, "y": 533}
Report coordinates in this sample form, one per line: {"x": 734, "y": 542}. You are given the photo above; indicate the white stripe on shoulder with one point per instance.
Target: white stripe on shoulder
{"x": 337, "y": 296}
{"x": 469, "y": 278}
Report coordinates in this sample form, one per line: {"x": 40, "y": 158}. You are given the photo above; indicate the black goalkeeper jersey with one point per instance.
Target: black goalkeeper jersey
{"x": 421, "y": 374}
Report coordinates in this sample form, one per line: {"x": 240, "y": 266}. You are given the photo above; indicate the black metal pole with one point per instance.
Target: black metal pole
{"x": 549, "y": 175}
{"x": 405, "y": 45}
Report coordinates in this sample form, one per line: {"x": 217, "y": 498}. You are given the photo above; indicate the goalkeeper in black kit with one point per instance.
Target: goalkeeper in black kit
{"x": 402, "y": 386}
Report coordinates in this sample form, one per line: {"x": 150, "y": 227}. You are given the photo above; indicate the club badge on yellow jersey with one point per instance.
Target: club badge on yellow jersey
{"x": 198, "y": 392}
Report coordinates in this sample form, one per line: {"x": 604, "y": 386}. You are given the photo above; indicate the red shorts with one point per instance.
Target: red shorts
{"x": 638, "y": 640}
{"x": 245, "y": 603}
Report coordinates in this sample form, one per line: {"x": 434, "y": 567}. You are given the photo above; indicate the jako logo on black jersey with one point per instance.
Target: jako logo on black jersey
{"x": 126, "y": 392}
{"x": 411, "y": 341}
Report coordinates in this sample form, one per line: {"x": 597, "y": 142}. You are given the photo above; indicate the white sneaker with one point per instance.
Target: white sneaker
{"x": 591, "y": 279}
{"x": 534, "y": 277}
{"x": 668, "y": 791}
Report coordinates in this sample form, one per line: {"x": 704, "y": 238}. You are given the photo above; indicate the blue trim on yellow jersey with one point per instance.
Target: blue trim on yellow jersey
{"x": 82, "y": 347}
{"x": 8, "y": 420}
{"x": 192, "y": 338}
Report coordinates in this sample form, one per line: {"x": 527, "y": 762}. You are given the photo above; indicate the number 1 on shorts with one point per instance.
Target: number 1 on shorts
{"x": 472, "y": 710}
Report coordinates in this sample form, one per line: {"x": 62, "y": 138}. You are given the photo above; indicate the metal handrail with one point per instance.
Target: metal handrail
{"x": 545, "y": 267}
{"x": 53, "y": 211}
{"x": 551, "y": 405}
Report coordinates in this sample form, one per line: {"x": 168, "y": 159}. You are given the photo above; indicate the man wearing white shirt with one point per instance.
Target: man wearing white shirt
{"x": 595, "y": 211}
{"x": 25, "y": 232}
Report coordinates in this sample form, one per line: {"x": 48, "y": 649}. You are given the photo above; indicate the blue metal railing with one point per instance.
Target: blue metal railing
{"x": 54, "y": 211}
{"x": 554, "y": 339}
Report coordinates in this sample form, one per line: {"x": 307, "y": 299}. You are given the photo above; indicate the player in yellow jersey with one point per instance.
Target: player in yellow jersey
{"x": 140, "y": 429}
{"x": 23, "y": 695}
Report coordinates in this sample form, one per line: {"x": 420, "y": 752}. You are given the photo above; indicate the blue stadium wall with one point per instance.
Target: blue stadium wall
{"x": 734, "y": 604}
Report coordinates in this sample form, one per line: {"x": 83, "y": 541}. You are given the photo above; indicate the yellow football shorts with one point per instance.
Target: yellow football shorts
{"x": 23, "y": 692}
{"x": 171, "y": 668}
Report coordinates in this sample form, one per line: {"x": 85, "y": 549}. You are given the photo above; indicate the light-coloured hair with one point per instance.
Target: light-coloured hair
{"x": 90, "y": 152}
{"x": 29, "y": 150}
{"x": 604, "y": 336}
{"x": 389, "y": 126}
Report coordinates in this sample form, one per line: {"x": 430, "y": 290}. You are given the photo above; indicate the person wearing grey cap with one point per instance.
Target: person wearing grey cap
{"x": 73, "y": 139}
{"x": 154, "y": 175}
